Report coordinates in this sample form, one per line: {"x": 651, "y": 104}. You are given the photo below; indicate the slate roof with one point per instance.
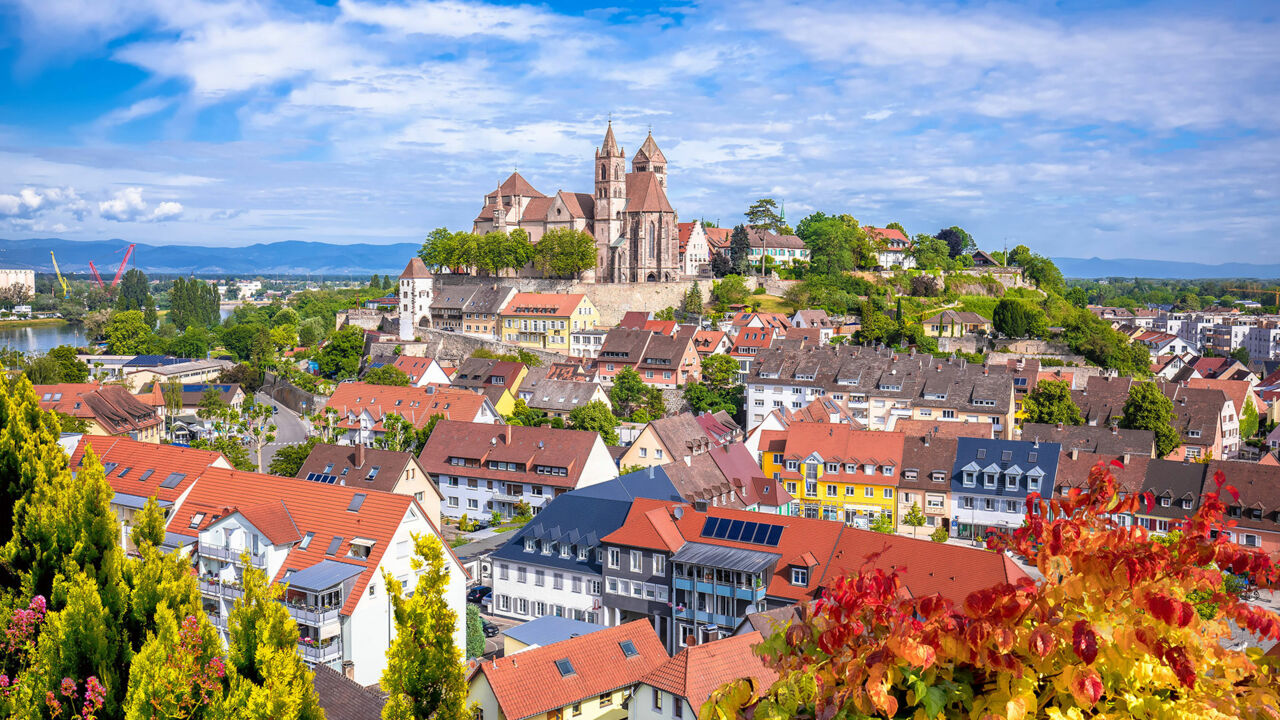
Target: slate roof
{"x": 1259, "y": 486}
{"x": 1005, "y": 454}
{"x": 342, "y": 698}
{"x": 926, "y": 455}
{"x": 581, "y": 518}
{"x": 1177, "y": 481}
{"x": 550, "y": 629}
{"x": 529, "y": 683}
{"x": 470, "y": 298}
{"x": 1093, "y": 438}
{"x": 352, "y": 465}
{"x": 695, "y": 672}
{"x": 1073, "y": 472}
{"x": 481, "y": 372}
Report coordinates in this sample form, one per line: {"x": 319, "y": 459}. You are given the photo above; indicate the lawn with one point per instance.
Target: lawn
{"x": 772, "y": 303}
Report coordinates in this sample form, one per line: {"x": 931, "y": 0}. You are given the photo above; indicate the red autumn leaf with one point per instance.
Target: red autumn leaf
{"x": 1219, "y": 478}
{"x": 1086, "y": 686}
{"x": 1042, "y": 641}
{"x": 1118, "y": 464}
{"x": 1084, "y": 641}
{"x": 1235, "y": 494}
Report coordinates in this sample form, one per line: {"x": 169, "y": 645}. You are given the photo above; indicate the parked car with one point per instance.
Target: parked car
{"x": 490, "y": 629}
{"x": 478, "y": 593}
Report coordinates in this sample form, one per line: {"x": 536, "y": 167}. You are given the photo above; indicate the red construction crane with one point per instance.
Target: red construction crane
{"x": 128, "y": 252}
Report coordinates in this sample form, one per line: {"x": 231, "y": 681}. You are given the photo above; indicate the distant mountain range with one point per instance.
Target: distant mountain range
{"x": 301, "y": 258}
{"x": 283, "y": 258}
{"x": 1167, "y": 269}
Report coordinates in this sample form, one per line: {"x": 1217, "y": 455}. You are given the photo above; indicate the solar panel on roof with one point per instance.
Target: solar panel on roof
{"x": 748, "y": 531}
{"x": 173, "y": 480}
{"x": 775, "y": 533}
{"x": 333, "y": 545}
{"x": 762, "y": 532}
{"x": 735, "y": 530}
{"x": 709, "y": 527}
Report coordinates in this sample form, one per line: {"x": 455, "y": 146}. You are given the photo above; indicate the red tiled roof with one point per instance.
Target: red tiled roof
{"x": 111, "y": 406}
{"x": 919, "y": 427}
{"x": 515, "y": 184}
{"x": 893, "y": 237}
{"x": 415, "y": 404}
{"x": 530, "y": 683}
{"x": 537, "y": 209}
{"x": 1238, "y": 391}
{"x": 634, "y": 319}
{"x": 685, "y": 231}
{"x": 525, "y": 446}
{"x": 645, "y": 194}
{"x": 413, "y": 366}
{"x": 579, "y": 205}
{"x": 134, "y": 458}
{"x": 718, "y": 237}
{"x": 415, "y": 269}
{"x": 273, "y": 520}
{"x": 695, "y": 672}
{"x": 311, "y": 507}
{"x": 542, "y": 305}
{"x": 707, "y": 339}
{"x": 755, "y": 337}
{"x": 843, "y": 444}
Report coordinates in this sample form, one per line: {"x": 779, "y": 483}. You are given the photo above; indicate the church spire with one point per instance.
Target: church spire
{"x": 649, "y": 151}
{"x": 610, "y": 145}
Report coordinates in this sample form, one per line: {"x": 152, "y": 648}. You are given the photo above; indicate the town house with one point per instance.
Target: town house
{"x": 991, "y": 479}
{"x": 360, "y": 410}
{"x": 834, "y": 471}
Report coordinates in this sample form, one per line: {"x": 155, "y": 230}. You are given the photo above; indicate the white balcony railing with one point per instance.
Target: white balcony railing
{"x": 232, "y": 555}
{"x": 317, "y": 653}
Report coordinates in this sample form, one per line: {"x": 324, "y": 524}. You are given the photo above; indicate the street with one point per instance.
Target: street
{"x": 493, "y": 645}
{"x": 290, "y": 429}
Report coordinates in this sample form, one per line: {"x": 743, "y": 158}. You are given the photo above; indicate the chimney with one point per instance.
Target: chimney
{"x": 1075, "y": 453}
{"x": 1126, "y": 458}
{"x": 349, "y": 669}
{"x": 1059, "y": 426}
{"x": 1115, "y": 429}
{"x": 508, "y": 434}
{"x": 359, "y": 455}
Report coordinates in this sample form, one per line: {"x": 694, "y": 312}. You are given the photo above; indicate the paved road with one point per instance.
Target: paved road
{"x": 494, "y": 644}
{"x": 290, "y": 429}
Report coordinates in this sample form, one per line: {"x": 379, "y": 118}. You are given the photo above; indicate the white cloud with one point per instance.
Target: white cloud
{"x": 30, "y": 202}
{"x": 127, "y": 205}
{"x": 877, "y": 115}
{"x": 452, "y": 19}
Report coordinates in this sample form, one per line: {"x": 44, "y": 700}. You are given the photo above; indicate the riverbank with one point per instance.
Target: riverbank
{"x": 35, "y": 322}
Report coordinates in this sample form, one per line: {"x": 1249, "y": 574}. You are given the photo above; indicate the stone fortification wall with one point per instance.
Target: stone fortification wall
{"x": 611, "y": 299}
{"x": 448, "y": 348}
{"x": 1010, "y": 349}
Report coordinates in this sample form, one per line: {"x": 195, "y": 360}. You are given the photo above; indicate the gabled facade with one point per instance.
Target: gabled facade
{"x": 374, "y": 469}
{"x": 676, "y": 438}
{"x": 470, "y": 309}
{"x": 893, "y": 248}
{"x": 664, "y": 358}
{"x": 925, "y": 481}
{"x": 695, "y": 252}
{"x": 360, "y": 409}
{"x": 991, "y": 479}
{"x": 485, "y": 469}
{"x": 834, "y": 471}
{"x": 422, "y": 371}
{"x": 545, "y": 321}
{"x": 679, "y": 687}
{"x": 106, "y": 409}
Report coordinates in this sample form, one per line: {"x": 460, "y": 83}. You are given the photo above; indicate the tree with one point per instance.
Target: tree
{"x": 837, "y": 243}
{"x": 739, "y": 251}
{"x": 256, "y": 423}
{"x": 1018, "y": 318}
{"x": 1077, "y": 297}
{"x": 883, "y": 524}
{"x": 931, "y": 253}
{"x": 958, "y": 241}
{"x": 719, "y": 388}
{"x": 289, "y": 459}
{"x": 692, "y": 303}
{"x": 719, "y": 371}
{"x": 266, "y": 676}
{"x": 475, "y": 632}
{"x": 1249, "y": 419}
{"x": 666, "y": 314}
{"x": 939, "y": 535}
{"x": 721, "y": 265}
{"x": 149, "y": 315}
{"x": 731, "y": 290}
{"x": 71, "y": 369}
{"x": 1108, "y": 632}
{"x": 340, "y": 357}
{"x": 194, "y": 343}
{"x": 915, "y": 518}
{"x": 765, "y": 213}
{"x": 133, "y": 292}
{"x": 43, "y": 370}
{"x": 1240, "y": 354}
{"x": 387, "y": 375}
{"x": 128, "y": 334}
{"x": 1050, "y": 402}
{"x": 1149, "y": 409}
{"x": 424, "y": 673}
{"x": 211, "y": 405}
{"x": 564, "y": 252}
{"x": 310, "y": 332}
{"x": 633, "y": 399}
{"x": 596, "y": 416}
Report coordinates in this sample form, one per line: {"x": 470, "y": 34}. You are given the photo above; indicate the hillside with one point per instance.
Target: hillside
{"x": 292, "y": 257}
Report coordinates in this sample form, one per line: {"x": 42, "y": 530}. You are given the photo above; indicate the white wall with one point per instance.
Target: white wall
{"x": 530, "y": 592}
{"x": 641, "y": 705}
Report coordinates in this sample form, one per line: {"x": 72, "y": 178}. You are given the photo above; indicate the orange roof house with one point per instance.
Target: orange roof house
{"x": 695, "y": 672}
{"x": 108, "y": 409}
{"x": 362, "y": 408}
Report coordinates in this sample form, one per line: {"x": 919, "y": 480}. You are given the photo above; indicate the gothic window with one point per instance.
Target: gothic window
{"x": 604, "y": 172}
{"x": 651, "y": 242}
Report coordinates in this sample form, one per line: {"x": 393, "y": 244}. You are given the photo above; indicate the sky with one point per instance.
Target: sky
{"x": 1109, "y": 129}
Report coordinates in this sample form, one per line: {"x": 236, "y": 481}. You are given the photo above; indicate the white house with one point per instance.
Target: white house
{"x": 895, "y": 248}
{"x": 695, "y": 251}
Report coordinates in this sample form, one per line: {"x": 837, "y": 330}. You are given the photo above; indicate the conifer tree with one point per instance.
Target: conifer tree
{"x": 424, "y": 674}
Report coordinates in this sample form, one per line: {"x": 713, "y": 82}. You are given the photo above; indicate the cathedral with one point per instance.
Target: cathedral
{"x": 629, "y": 216}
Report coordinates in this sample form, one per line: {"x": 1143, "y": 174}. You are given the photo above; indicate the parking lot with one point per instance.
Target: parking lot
{"x": 493, "y": 645}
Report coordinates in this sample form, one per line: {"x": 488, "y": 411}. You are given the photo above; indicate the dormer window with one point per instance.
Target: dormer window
{"x": 1186, "y": 505}
{"x": 1193, "y": 433}
{"x": 1166, "y": 502}
{"x": 529, "y": 545}
{"x": 989, "y": 480}
{"x": 970, "y": 478}
{"x": 938, "y": 476}
{"x": 800, "y": 576}
{"x": 1011, "y": 481}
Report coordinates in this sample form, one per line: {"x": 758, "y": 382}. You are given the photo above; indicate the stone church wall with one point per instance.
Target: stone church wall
{"x": 610, "y": 299}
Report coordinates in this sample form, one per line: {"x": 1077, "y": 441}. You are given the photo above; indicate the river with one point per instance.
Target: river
{"x": 41, "y": 338}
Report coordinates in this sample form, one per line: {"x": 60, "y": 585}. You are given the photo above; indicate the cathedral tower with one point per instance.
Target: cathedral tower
{"x": 650, "y": 159}
{"x": 610, "y": 197}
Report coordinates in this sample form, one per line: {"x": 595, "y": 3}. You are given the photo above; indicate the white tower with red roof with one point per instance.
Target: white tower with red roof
{"x": 416, "y": 291}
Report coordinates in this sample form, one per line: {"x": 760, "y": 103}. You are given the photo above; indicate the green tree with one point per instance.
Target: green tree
{"x": 1018, "y": 318}
{"x": 666, "y": 314}
{"x": 387, "y": 375}
{"x": 739, "y": 251}
{"x": 939, "y": 535}
{"x": 1240, "y": 354}
{"x": 958, "y": 241}
{"x": 310, "y": 332}
{"x": 71, "y": 368}
{"x": 211, "y": 405}
{"x": 876, "y": 326}
{"x": 43, "y": 370}
{"x": 128, "y": 334}
{"x": 233, "y": 451}
{"x": 194, "y": 343}
{"x": 883, "y": 524}
{"x": 596, "y": 416}
{"x": 1149, "y": 409}
{"x": 930, "y": 253}
{"x": 149, "y": 315}
{"x": 133, "y": 292}
{"x": 692, "y": 303}
{"x": 765, "y": 213}
{"x": 1050, "y": 402}
{"x": 424, "y": 676}
{"x": 288, "y": 459}
{"x": 730, "y": 290}
{"x": 915, "y": 518}
{"x": 1077, "y": 297}
{"x": 719, "y": 371}
{"x": 633, "y": 399}
{"x": 1249, "y": 419}
{"x": 564, "y": 252}
{"x": 837, "y": 243}
{"x": 441, "y": 249}
{"x": 340, "y": 357}
{"x": 475, "y": 632}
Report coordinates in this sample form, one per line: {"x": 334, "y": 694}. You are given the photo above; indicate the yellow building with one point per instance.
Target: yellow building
{"x": 951, "y": 323}
{"x": 545, "y": 321}
{"x": 835, "y": 472}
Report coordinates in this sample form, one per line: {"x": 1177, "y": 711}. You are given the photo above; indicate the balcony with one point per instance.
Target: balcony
{"x": 220, "y": 588}
{"x": 218, "y": 621}
{"x": 313, "y": 615}
{"x": 232, "y": 555}
{"x": 313, "y": 652}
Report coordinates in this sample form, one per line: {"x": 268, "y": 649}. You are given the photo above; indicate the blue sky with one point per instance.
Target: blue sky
{"x": 1114, "y": 129}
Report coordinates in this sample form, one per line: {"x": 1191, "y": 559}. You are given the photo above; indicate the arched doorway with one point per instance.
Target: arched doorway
{"x": 652, "y": 278}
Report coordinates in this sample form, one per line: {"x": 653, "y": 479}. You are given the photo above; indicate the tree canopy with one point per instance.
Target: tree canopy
{"x": 596, "y": 416}
{"x": 564, "y": 252}
{"x": 958, "y": 241}
{"x": 1019, "y": 318}
{"x": 837, "y": 243}
{"x": 1050, "y": 402}
{"x": 387, "y": 375}
{"x": 765, "y": 213}
{"x": 1149, "y": 409}
{"x": 340, "y": 357}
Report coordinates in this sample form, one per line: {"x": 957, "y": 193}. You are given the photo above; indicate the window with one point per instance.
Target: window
{"x": 966, "y": 503}
{"x": 833, "y": 467}
{"x": 615, "y": 557}
{"x": 522, "y": 574}
{"x": 637, "y": 558}
{"x": 539, "y": 608}
{"x": 800, "y": 576}
{"x": 577, "y": 584}
{"x": 850, "y": 490}
{"x": 528, "y": 545}
{"x": 970, "y": 479}
{"x": 539, "y": 577}
{"x": 659, "y": 564}
{"x": 557, "y": 581}
{"x": 989, "y": 504}
{"x": 888, "y": 493}
{"x": 606, "y": 699}
{"x": 577, "y": 709}
{"x": 868, "y": 491}
{"x": 677, "y": 707}
{"x": 657, "y": 700}
{"x": 832, "y": 490}
{"x": 1166, "y": 502}
{"x": 644, "y": 452}
{"x": 613, "y": 586}
{"x": 1011, "y": 506}
{"x": 628, "y": 648}
{"x": 593, "y": 587}
{"x": 565, "y": 667}
{"x": 989, "y": 480}
{"x": 504, "y": 571}
{"x": 522, "y": 606}
{"x": 1010, "y": 481}
{"x": 504, "y": 602}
